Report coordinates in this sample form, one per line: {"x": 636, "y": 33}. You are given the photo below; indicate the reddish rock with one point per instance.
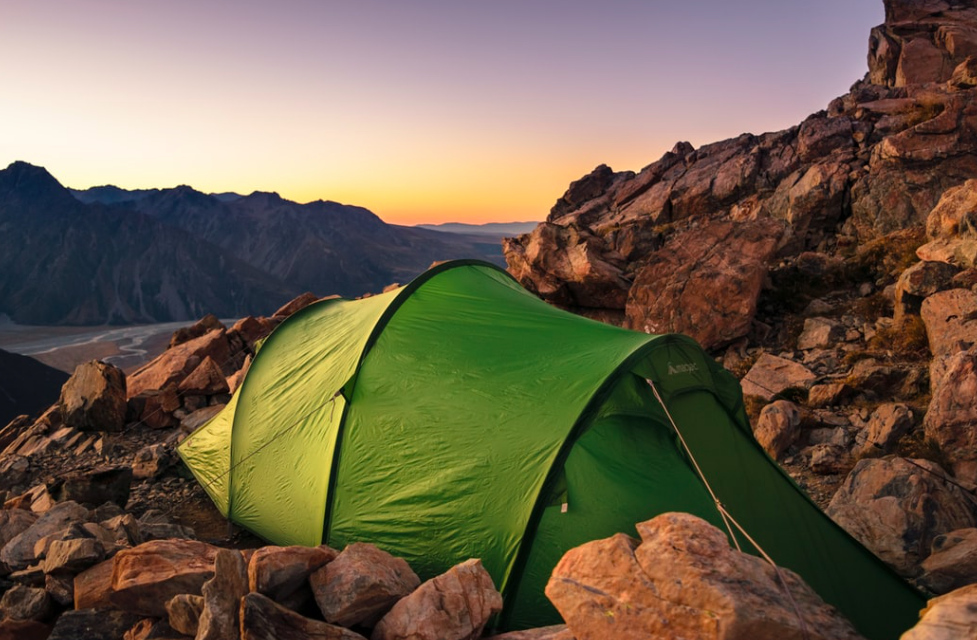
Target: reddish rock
{"x": 19, "y": 551}
{"x": 207, "y": 379}
{"x": 569, "y": 266}
{"x": 949, "y": 617}
{"x": 683, "y": 581}
{"x": 93, "y": 586}
{"x": 919, "y": 281}
{"x": 72, "y": 556}
{"x": 830, "y": 394}
{"x": 264, "y": 619}
{"x": 155, "y": 407}
{"x": 952, "y": 228}
{"x": 222, "y": 596}
{"x": 953, "y": 563}
{"x": 819, "y": 333}
{"x": 144, "y": 578}
{"x": 897, "y": 507}
{"x": 951, "y": 415}
{"x": 282, "y": 573}
{"x": 25, "y": 603}
{"x": 13, "y": 522}
{"x": 361, "y": 584}
{"x": 296, "y": 304}
{"x": 949, "y": 319}
{"x": 888, "y": 423}
{"x": 94, "y": 398}
{"x": 778, "y": 427}
{"x": 151, "y": 461}
{"x": 828, "y": 459}
{"x": 183, "y": 613}
{"x": 705, "y": 283}
{"x": 61, "y": 589}
{"x": 456, "y": 605}
{"x": 251, "y": 329}
{"x": 206, "y": 324}
{"x": 770, "y": 375}
{"x": 173, "y": 365}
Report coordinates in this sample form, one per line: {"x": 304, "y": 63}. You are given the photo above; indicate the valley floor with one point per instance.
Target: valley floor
{"x": 64, "y": 348}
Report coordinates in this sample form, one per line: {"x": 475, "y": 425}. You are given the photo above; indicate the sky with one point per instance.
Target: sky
{"x": 423, "y": 111}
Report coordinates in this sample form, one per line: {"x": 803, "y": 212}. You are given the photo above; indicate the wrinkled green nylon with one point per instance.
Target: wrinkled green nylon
{"x": 473, "y": 407}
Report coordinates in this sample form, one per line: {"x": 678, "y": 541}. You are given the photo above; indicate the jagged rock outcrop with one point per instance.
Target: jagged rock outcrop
{"x": 713, "y": 220}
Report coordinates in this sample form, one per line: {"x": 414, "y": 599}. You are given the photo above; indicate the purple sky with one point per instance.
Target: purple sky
{"x": 421, "y": 110}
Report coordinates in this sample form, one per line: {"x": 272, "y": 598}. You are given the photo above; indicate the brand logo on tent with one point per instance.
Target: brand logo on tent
{"x": 689, "y": 367}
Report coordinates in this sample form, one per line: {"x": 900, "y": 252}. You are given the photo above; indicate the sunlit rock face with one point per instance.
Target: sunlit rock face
{"x": 625, "y": 245}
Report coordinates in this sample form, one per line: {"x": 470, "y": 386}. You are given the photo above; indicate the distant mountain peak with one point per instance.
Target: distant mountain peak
{"x": 24, "y": 181}
{"x": 20, "y": 173}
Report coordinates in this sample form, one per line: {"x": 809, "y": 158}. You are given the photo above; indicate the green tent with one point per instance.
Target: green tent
{"x": 460, "y": 416}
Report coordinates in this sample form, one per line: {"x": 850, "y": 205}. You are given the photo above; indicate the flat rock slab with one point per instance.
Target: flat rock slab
{"x": 771, "y": 375}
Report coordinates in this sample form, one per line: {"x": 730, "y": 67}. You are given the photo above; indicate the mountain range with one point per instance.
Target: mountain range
{"x": 109, "y": 255}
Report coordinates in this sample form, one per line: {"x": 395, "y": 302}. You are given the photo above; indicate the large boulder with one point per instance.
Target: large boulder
{"x": 897, "y": 507}
{"x": 570, "y": 266}
{"x": 146, "y": 577}
{"x": 282, "y": 573}
{"x": 94, "y": 398}
{"x": 949, "y": 617}
{"x": 705, "y": 282}
{"x": 361, "y": 585}
{"x": 682, "y": 580}
{"x": 455, "y": 605}
{"x": 951, "y": 415}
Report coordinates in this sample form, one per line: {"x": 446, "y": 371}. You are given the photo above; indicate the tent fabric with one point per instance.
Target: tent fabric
{"x": 460, "y": 416}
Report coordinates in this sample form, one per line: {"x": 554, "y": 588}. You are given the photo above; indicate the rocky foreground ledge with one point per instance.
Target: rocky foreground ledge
{"x": 680, "y": 580}
{"x": 98, "y": 540}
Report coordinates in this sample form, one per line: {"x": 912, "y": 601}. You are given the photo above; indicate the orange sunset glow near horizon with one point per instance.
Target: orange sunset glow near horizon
{"x": 422, "y": 111}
